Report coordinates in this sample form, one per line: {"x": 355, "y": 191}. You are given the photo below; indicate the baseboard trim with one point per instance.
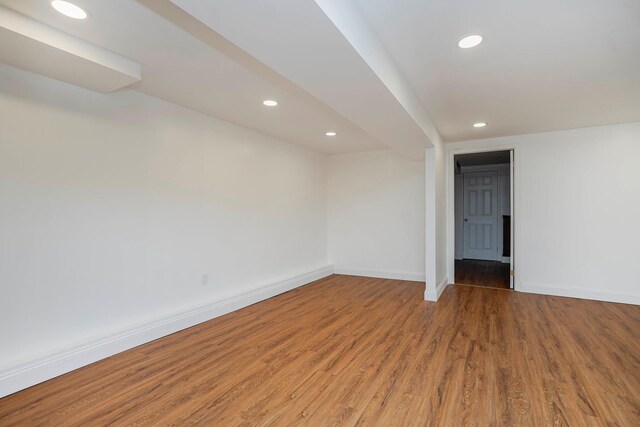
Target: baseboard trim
{"x": 381, "y": 274}
{"x": 506, "y": 260}
{"x": 431, "y": 294}
{"x": 573, "y": 292}
{"x": 26, "y": 375}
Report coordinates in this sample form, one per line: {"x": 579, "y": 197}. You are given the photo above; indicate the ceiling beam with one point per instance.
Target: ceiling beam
{"x": 349, "y": 20}
{"x": 299, "y": 41}
{"x": 33, "y": 46}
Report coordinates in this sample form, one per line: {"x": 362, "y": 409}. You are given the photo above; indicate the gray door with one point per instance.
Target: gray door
{"x": 481, "y": 215}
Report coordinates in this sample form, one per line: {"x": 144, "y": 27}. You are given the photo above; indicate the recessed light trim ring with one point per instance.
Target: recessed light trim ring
{"x": 69, "y": 9}
{"x": 470, "y": 41}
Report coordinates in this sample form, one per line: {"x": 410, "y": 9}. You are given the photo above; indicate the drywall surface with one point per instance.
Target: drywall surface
{"x": 376, "y": 210}
{"x": 441, "y": 217}
{"x": 579, "y": 196}
{"x": 118, "y": 209}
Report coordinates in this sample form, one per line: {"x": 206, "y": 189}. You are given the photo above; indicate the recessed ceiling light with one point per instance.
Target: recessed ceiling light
{"x": 270, "y": 102}
{"x": 470, "y": 41}
{"x": 331, "y": 133}
{"x": 479, "y": 125}
{"x": 69, "y": 9}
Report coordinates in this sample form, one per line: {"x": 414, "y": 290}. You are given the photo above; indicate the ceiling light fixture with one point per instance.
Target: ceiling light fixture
{"x": 470, "y": 41}
{"x": 479, "y": 125}
{"x": 270, "y": 103}
{"x": 69, "y": 9}
{"x": 331, "y": 133}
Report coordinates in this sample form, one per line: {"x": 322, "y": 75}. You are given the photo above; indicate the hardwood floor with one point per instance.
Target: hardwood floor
{"x": 360, "y": 351}
{"x": 491, "y": 274}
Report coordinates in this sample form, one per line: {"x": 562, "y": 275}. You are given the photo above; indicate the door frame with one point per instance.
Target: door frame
{"x": 482, "y": 147}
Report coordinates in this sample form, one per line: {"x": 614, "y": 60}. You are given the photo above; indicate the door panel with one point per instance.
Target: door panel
{"x": 480, "y": 206}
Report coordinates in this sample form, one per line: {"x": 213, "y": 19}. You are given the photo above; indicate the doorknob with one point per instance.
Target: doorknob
{"x": 466, "y": 220}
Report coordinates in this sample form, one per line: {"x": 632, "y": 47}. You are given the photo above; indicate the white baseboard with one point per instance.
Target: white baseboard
{"x": 381, "y": 274}
{"x": 37, "y": 371}
{"x": 506, "y": 260}
{"x": 431, "y": 294}
{"x": 574, "y": 292}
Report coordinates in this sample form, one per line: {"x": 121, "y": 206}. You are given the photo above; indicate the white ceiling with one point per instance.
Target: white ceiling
{"x": 379, "y": 72}
{"x": 299, "y": 40}
{"x": 219, "y": 80}
{"x": 544, "y": 64}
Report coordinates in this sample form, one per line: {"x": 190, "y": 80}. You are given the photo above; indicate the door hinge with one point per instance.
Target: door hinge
{"x": 512, "y": 273}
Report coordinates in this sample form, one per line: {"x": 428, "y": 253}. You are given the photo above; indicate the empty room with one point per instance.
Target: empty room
{"x": 319, "y": 212}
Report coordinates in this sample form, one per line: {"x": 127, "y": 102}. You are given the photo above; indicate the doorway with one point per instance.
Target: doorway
{"x": 483, "y": 188}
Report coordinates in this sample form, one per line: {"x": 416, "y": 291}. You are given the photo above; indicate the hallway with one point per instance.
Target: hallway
{"x": 489, "y": 274}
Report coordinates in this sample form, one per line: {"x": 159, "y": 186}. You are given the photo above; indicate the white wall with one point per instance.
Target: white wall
{"x": 579, "y": 202}
{"x": 436, "y": 221}
{"x": 376, "y": 210}
{"x": 441, "y": 219}
{"x": 113, "y": 207}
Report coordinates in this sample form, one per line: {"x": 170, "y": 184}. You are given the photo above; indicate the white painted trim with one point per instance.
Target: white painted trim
{"x": 574, "y": 292}
{"x": 433, "y": 294}
{"x": 512, "y": 162}
{"x": 454, "y": 149}
{"x": 34, "y": 372}
{"x": 506, "y": 260}
{"x": 431, "y": 255}
{"x": 381, "y": 274}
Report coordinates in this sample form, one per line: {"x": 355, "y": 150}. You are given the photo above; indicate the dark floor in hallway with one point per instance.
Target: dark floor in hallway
{"x": 490, "y": 274}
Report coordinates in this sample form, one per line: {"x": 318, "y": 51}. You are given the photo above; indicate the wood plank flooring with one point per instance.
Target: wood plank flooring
{"x": 491, "y": 274}
{"x": 353, "y": 351}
